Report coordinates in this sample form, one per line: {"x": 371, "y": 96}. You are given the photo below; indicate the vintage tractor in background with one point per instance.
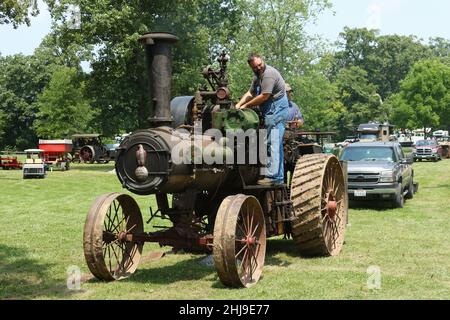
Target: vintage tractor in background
{"x": 215, "y": 208}
{"x": 89, "y": 148}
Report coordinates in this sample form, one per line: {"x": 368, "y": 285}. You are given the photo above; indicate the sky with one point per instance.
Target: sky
{"x": 422, "y": 18}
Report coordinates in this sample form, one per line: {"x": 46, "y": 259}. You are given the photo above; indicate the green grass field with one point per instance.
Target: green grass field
{"x": 41, "y": 228}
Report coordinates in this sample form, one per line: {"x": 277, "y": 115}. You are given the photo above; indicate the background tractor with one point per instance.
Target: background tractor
{"x": 88, "y": 148}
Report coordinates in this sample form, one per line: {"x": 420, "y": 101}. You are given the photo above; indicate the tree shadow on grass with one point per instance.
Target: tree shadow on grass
{"x": 276, "y": 246}
{"x": 23, "y": 278}
{"x": 192, "y": 269}
{"x": 196, "y": 268}
{"x": 286, "y": 246}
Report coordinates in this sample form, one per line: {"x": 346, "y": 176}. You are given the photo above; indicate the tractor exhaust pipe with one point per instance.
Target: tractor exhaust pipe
{"x": 158, "y": 51}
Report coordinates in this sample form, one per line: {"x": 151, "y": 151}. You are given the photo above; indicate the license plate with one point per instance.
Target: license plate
{"x": 360, "y": 193}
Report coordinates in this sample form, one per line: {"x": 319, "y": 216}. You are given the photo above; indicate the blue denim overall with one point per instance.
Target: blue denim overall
{"x": 275, "y": 114}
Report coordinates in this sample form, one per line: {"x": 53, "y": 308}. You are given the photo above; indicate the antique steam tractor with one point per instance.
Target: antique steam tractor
{"x": 89, "y": 148}
{"x": 215, "y": 206}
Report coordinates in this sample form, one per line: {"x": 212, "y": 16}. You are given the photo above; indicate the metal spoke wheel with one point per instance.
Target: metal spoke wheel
{"x": 111, "y": 222}
{"x": 239, "y": 241}
{"x": 320, "y": 203}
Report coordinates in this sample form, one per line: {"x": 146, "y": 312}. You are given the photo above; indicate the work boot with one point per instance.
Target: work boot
{"x": 266, "y": 182}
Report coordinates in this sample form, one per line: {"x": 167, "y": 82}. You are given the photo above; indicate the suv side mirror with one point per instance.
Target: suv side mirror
{"x": 406, "y": 161}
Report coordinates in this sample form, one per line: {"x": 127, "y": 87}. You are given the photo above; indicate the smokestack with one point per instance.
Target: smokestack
{"x": 158, "y": 51}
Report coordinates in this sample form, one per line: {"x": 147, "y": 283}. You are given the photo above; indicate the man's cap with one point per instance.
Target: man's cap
{"x": 288, "y": 87}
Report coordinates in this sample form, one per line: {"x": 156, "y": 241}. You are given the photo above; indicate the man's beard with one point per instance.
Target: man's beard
{"x": 259, "y": 73}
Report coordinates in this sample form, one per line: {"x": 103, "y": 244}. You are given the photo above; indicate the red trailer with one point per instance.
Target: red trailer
{"x": 8, "y": 162}
{"x": 56, "y": 153}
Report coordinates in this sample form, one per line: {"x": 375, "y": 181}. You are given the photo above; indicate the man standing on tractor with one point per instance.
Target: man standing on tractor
{"x": 268, "y": 91}
{"x": 295, "y": 119}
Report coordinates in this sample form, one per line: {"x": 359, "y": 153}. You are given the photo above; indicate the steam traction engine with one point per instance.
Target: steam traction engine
{"x": 215, "y": 207}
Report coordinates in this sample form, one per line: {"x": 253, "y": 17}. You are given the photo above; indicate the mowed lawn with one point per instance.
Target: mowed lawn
{"x": 41, "y": 228}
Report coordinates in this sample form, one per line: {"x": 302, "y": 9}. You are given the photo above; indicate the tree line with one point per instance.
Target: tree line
{"x": 363, "y": 76}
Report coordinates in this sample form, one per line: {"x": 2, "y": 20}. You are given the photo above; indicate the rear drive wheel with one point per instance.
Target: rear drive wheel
{"x": 319, "y": 198}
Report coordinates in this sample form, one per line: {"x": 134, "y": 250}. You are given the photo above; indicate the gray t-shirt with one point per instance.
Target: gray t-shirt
{"x": 271, "y": 82}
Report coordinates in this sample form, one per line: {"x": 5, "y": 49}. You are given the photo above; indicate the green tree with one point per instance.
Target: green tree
{"x": 21, "y": 80}
{"x": 386, "y": 59}
{"x": 2, "y": 127}
{"x": 117, "y": 84}
{"x": 424, "y": 99}
{"x": 17, "y": 11}
{"x": 395, "y": 57}
{"x": 63, "y": 109}
{"x": 317, "y": 98}
{"x": 357, "y": 47}
{"x": 276, "y": 30}
{"x": 361, "y": 101}
{"x": 440, "y": 48}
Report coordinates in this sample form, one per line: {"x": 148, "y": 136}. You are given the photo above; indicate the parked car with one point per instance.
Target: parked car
{"x": 404, "y": 139}
{"x": 347, "y": 142}
{"x": 379, "y": 171}
{"x": 330, "y": 148}
{"x": 427, "y": 150}
{"x": 440, "y": 134}
{"x": 112, "y": 147}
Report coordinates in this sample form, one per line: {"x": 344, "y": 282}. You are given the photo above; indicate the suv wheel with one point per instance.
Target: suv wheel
{"x": 410, "y": 194}
{"x": 399, "y": 200}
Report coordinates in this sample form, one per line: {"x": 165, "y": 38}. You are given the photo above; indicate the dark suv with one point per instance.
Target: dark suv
{"x": 379, "y": 171}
